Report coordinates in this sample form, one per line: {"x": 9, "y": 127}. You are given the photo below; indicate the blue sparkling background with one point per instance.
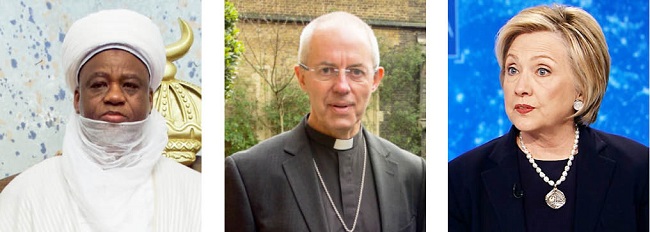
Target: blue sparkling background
{"x": 34, "y": 100}
{"x": 476, "y": 113}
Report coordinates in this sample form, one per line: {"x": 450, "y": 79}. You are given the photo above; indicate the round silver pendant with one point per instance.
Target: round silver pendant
{"x": 555, "y": 198}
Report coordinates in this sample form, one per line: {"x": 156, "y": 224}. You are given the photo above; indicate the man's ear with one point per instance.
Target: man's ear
{"x": 76, "y": 100}
{"x": 379, "y": 75}
{"x": 301, "y": 78}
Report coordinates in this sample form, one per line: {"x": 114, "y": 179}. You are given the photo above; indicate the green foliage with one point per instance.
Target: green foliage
{"x": 242, "y": 119}
{"x": 291, "y": 104}
{"x": 240, "y": 122}
{"x": 281, "y": 104}
{"x": 400, "y": 97}
{"x": 233, "y": 48}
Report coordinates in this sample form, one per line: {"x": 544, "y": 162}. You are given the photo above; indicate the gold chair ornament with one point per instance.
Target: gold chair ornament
{"x": 180, "y": 103}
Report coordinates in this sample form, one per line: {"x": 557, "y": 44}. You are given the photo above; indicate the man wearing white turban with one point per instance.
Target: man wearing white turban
{"x": 111, "y": 176}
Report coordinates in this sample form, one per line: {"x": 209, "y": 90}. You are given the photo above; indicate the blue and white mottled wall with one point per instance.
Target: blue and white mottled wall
{"x": 476, "y": 113}
{"x": 34, "y": 100}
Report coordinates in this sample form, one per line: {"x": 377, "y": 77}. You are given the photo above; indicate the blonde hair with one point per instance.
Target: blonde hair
{"x": 584, "y": 40}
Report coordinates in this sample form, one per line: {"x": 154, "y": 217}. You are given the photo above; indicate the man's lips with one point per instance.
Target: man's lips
{"x": 523, "y": 108}
{"x": 341, "y": 107}
{"x": 115, "y": 117}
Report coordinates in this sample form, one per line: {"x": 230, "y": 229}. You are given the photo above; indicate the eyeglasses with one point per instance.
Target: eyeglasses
{"x": 326, "y": 73}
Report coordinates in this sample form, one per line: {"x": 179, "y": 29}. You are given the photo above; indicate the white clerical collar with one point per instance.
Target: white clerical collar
{"x": 344, "y": 144}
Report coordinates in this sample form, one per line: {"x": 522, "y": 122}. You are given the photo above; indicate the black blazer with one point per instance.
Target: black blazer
{"x": 611, "y": 185}
{"x": 273, "y": 186}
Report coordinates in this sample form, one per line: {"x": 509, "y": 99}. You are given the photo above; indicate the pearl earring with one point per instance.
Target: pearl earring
{"x": 577, "y": 105}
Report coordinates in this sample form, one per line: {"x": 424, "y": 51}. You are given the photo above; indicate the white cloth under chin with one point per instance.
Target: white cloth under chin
{"x": 108, "y": 167}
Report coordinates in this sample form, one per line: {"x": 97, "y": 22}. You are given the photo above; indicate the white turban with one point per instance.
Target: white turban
{"x": 114, "y": 29}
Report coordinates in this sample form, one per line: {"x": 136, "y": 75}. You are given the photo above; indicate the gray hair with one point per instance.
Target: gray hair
{"x": 337, "y": 18}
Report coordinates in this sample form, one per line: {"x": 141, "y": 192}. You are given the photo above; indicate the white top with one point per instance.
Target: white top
{"x": 39, "y": 199}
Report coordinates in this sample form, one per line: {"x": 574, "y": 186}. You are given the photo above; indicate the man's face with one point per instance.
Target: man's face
{"x": 338, "y": 104}
{"x": 114, "y": 87}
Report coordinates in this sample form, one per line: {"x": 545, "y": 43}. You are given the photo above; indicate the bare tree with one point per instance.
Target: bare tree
{"x": 270, "y": 53}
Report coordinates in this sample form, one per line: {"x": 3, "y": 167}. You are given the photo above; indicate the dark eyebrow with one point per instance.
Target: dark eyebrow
{"x": 123, "y": 77}
{"x": 93, "y": 76}
{"x": 133, "y": 78}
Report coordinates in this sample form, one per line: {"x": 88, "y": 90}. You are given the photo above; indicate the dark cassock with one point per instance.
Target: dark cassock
{"x": 340, "y": 164}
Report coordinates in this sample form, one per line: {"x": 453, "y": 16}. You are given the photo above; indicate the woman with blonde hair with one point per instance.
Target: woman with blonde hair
{"x": 551, "y": 171}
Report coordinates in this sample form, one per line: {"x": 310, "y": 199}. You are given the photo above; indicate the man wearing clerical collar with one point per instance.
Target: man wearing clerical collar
{"x": 112, "y": 175}
{"x": 329, "y": 173}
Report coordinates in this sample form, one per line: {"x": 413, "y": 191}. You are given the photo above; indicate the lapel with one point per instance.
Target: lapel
{"x": 386, "y": 181}
{"x": 499, "y": 182}
{"x": 594, "y": 172}
{"x": 302, "y": 178}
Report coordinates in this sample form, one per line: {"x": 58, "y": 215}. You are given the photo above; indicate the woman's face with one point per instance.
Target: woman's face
{"x": 538, "y": 83}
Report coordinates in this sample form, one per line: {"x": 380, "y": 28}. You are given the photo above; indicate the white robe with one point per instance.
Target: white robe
{"x": 39, "y": 199}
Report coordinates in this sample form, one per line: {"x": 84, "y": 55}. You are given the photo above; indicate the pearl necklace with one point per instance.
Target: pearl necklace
{"x": 555, "y": 198}
{"x": 363, "y": 177}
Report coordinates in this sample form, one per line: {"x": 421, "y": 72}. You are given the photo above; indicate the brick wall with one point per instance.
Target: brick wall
{"x": 259, "y": 40}
{"x": 386, "y": 10}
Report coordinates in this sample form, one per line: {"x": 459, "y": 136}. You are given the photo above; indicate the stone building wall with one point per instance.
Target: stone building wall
{"x": 410, "y": 11}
